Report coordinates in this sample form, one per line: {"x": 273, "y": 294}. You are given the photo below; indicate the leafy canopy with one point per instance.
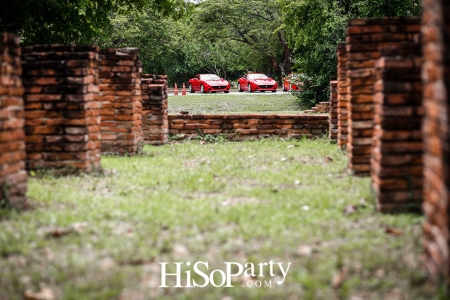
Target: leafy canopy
{"x": 68, "y": 21}
{"x": 315, "y": 28}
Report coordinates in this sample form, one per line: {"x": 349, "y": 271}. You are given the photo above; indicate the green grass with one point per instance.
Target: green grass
{"x": 279, "y": 103}
{"x": 228, "y": 202}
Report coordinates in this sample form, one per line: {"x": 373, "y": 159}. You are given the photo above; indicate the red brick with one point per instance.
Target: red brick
{"x": 60, "y": 93}
{"x": 13, "y": 177}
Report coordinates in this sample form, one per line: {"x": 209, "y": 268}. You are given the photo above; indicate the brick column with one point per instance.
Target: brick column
{"x": 365, "y": 39}
{"x": 155, "y": 123}
{"x": 333, "y": 130}
{"x": 436, "y": 133}
{"x": 61, "y": 112}
{"x": 120, "y": 97}
{"x": 396, "y": 163}
{"x": 13, "y": 177}
{"x": 342, "y": 96}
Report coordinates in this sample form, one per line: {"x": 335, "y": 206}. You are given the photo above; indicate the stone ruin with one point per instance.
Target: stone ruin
{"x": 155, "y": 121}
{"x": 393, "y": 118}
{"x": 120, "y": 99}
{"x": 63, "y": 105}
{"x": 13, "y": 176}
{"x": 62, "y": 121}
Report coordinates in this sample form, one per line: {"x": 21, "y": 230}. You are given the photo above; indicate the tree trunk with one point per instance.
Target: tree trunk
{"x": 286, "y": 53}
{"x": 276, "y": 68}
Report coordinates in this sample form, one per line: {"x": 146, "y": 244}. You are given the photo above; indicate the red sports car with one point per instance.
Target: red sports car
{"x": 208, "y": 83}
{"x": 288, "y": 86}
{"x": 257, "y": 82}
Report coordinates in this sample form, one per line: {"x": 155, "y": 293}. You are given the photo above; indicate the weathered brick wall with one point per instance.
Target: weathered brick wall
{"x": 333, "y": 130}
{"x": 62, "y": 122}
{"x": 343, "y": 103}
{"x": 321, "y": 107}
{"x": 240, "y": 127}
{"x": 396, "y": 163}
{"x": 13, "y": 177}
{"x": 365, "y": 39}
{"x": 155, "y": 123}
{"x": 120, "y": 98}
{"x": 436, "y": 134}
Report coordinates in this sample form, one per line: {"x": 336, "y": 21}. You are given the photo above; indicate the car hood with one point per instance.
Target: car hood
{"x": 216, "y": 82}
{"x": 263, "y": 81}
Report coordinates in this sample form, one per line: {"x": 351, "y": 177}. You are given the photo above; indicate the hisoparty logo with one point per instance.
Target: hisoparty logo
{"x": 223, "y": 278}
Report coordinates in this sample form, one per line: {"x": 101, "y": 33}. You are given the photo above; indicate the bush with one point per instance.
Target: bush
{"x": 312, "y": 89}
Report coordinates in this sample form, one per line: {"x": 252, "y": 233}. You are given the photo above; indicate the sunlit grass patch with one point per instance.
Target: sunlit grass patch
{"x": 281, "y": 103}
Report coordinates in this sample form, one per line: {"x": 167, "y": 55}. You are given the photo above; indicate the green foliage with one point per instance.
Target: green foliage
{"x": 256, "y": 24}
{"x": 78, "y": 21}
{"x": 311, "y": 91}
{"x": 316, "y": 27}
{"x": 146, "y": 29}
{"x": 215, "y": 139}
{"x": 226, "y": 37}
{"x": 55, "y": 21}
{"x": 227, "y": 59}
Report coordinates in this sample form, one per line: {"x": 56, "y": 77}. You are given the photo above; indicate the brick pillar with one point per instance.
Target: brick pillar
{"x": 61, "y": 112}
{"x": 155, "y": 122}
{"x": 396, "y": 163}
{"x": 13, "y": 177}
{"x": 333, "y": 130}
{"x": 436, "y": 134}
{"x": 365, "y": 39}
{"x": 342, "y": 96}
{"x": 120, "y": 97}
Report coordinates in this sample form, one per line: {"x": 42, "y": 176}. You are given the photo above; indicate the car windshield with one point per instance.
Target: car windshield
{"x": 257, "y": 76}
{"x": 209, "y": 77}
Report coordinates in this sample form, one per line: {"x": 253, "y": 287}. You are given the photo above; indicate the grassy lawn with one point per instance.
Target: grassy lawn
{"x": 103, "y": 236}
{"x": 280, "y": 103}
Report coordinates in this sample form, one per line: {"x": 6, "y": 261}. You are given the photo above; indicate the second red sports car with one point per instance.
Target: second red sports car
{"x": 288, "y": 86}
{"x": 257, "y": 82}
{"x": 208, "y": 83}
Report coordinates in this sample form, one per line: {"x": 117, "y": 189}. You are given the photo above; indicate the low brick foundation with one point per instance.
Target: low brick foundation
{"x": 240, "y": 127}
{"x": 155, "y": 124}
{"x": 120, "y": 98}
{"x": 436, "y": 135}
{"x": 13, "y": 177}
{"x": 365, "y": 39}
{"x": 333, "y": 131}
{"x": 61, "y": 109}
{"x": 320, "y": 108}
{"x": 343, "y": 103}
{"x": 396, "y": 163}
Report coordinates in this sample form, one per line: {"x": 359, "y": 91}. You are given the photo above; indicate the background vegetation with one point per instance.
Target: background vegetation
{"x": 181, "y": 38}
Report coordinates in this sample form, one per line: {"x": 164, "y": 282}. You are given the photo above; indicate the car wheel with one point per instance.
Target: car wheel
{"x": 249, "y": 88}
{"x": 202, "y": 89}
{"x": 274, "y": 91}
{"x": 191, "y": 90}
{"x": 226, "y": 92}
{"x": 239, "y": 88}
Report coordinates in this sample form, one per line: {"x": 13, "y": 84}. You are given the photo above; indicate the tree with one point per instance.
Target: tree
{"x": 146, "y": 29}
{"x": 314, "y": 29}
{"x": 254, "y": 23}
{"x": 68, "y": 21}
{"x": 160, "y": 35}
